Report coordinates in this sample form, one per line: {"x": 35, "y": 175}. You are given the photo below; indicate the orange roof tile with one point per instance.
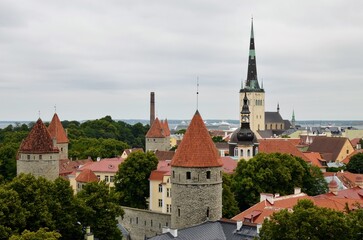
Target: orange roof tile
{"x": 67, "y": 166}
{"x": 315, "y": 159}
{"x": 280, "y": 146}
{"x": 164, "y": 155}
{"x": 197, "y": 148}
{"x": 347, "y": 159}
{"x": 229, "y": 165}
{"x": 57, "y": 131}
{"x": 157, "y": 175}
{"x": 38, "y": 140}
{"x": 87, "y": 176}
{"x": 165, "y": 126}
{"x": 156, "y": 130}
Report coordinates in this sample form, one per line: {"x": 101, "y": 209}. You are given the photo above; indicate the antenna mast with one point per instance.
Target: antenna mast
{"x": 197, "y": 91}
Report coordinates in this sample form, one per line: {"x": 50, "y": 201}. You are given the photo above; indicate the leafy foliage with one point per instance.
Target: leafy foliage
{"x": 274, "y": 173}
{"x": 100, "y": 209}
{"x": 355, "y": 164}
{"x": 229, "y": 203}
{"x": 217, "y": 139}
{"x": 308, "y": 221}
{"x": 131, "y": 180}
{"x": 41, "y": 234}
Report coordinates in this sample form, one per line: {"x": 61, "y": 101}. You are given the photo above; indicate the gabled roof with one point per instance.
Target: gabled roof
{"x": 57, "y": 131}
{"x": 197, "y": 148}
{"x": 67, "y": 166}
{"x": 109, "y": 165}
{"x": 315, "y": 159}
{"x": 158, "y": 130}
{"x": 165, "y": 126}
{"x": 164, "y": 155}
{"x": 330, "y": 145}
{"x": 280, "y": 146}
{"x": 38, "y": 140}
{"x": 87, "y": 176}
{"x": 229, "y": 165}
{"x": 158, "y": 175}
{"x": 273, "y": 117}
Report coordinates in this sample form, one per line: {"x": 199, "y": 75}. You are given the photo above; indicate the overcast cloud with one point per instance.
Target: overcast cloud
{"x": 94, "y": 58}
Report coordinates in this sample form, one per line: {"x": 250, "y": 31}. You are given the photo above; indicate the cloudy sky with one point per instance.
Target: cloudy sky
{"x": 95, "y": 58}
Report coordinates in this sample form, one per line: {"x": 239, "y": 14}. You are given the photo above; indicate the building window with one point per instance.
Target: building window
{"x": 98, "y": 176}
{"x": 168, "y": 181}
{"x": 189, "y": 175}
{"x": 178, "y": 212}
{"x": 160, "y": 202}
{"x": 28, "y": 157}
{"x": 111, "y": 178}
{"x": 241, "y": 153}
{"x": 168, "y": 192}
{"x": 40, "y": 157}
{"x": 137, "y": 220}
{"x": 347, "y": 151}
{"x": 168, "y": 208}
{"x": 207, "y": 212}
{"x": 50, "y": 157}
{"x": 151, "y": 222}
{"x": 106, "y": 178}
{"x": 208, "y": 174}
{"x": 173, "y": 174}
{"x": 248, "y": 153}
{"x": 160, "y": 188}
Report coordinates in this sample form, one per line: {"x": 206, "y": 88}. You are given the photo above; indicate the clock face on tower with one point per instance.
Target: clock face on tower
{"x": 244, "y": 118}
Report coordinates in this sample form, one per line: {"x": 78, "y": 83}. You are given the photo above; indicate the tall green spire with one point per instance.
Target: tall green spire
{"x": 252, "y": 80}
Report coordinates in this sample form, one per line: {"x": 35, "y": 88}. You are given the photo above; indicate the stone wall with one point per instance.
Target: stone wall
{"x": 144, "y": 223}
{"x": 196, "y": 196}
{"x": 161, "y": 144}
{"x": 40, "y": 165}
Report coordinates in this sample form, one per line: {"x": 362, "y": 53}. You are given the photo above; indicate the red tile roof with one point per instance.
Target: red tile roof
{"x": 280, "y": 146}
{"x": 355, "y": 141}
{"x": 104, "y": 165}
{"x": 158, "y": 175}
{"x": 165, "y": 126}
{"x": 164, "y": 155}
{"x": 197, "y": 148}
{"x": 38, "y": 140}
{"x": 347, "y": 159}
{"x": 66, "y": 166}
{"x": 57, "y": 131}
{"x": 87, "y": 176}
{"x": 315, "y": 159}
{"x": 229, "y": 165}
{"x": 158, "y": 130}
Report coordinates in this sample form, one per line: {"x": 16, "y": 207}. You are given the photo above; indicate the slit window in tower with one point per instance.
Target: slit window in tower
{"x": 189, "y": 175}
{"x": 208, "y": 174}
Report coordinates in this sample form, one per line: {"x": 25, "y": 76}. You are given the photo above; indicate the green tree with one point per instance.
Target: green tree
{"x": 12, "y": 214}
{"x": 274, "y": 173}
{"x": 41, "y": 234}
{"x": 131, "y": 180}
{"x": 307, "y": 221}
{"x": 217, "y": 139}
{"x": 99, "y": 209}
{"x": 355, "y": 164}
{"x": 229, "y": 203}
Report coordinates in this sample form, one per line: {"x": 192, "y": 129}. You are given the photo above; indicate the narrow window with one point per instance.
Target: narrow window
{"x": 248, "y": 153}
{"x": 207, "y": 212}
{"x": 189, "y": 175}
{"x": 40, "y": 157}
{"x": 160, "y": 202}
{"x": 106, "y": 178}
{"x": 151, "y": 222}
{"x": 241, "y": 153}
{"x": 173, "y": 174}
{"x": 208, "y": 174}
{"x": 137, "y": 220}
{"x": 235, "y": 151}
{"x": 98, "y": 176}
{"x": 178, "y": 212}
{"x": 160, "y": 188}
{"x": 111, "y": 178}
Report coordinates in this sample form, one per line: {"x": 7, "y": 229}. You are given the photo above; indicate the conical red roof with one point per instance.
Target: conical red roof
{"x": 197, "y": 148}
{"x": 87, "y": 176}
{"x": 57, "y": 131}
{"x": 38, "y": 140}
{"x": 156, "y": 130}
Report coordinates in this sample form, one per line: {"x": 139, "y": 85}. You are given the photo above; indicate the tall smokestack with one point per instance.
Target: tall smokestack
{"x": 152, "y": 108}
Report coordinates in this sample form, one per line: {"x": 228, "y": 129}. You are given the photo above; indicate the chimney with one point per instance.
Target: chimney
{"x": 333, "y": 186}
{"x": 152, "y": 108}
{"x": 239, "y": 225}
{"x": 173, "y": 232}
{"x": 267, "y": 196}
{"x": 297, "y": 190}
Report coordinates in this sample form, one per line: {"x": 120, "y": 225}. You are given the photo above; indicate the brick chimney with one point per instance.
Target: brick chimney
{"x": 333, "y": 187}
{"x": 152, "y": 108}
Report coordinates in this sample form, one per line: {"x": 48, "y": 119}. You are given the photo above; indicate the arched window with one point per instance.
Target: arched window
{"x": 241, "y": 152}
{"x": 235, "y": 152}
{"x": 248, "y": 153}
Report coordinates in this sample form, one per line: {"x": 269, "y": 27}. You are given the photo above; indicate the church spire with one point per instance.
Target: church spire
{"x": 252, "y": 81}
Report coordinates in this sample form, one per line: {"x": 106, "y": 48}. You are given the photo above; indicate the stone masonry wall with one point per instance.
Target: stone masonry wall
{"x": 141, "y": 223}
{"x": 197, "y": 199}
{"x": 47, "y": 167}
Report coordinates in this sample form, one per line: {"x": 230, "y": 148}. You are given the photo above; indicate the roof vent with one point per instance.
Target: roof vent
{"x": 111, "y": 166}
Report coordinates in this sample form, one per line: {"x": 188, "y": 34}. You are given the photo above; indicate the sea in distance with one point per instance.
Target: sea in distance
{"x": 358, "y": 124}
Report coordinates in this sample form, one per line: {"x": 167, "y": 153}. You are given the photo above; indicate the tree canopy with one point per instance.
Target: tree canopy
{"x": 308, "y": 221}
{"x": 229, "y": 203}
{"x": 355, "y": 164}
{"x": 274, "y": 173}
{"x": 132, "y": 179}
{"x": 30, "y": 204}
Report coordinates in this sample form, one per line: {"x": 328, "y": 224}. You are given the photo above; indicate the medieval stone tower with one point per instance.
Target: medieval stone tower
{"x": 59, "y": 135}
{"x": 158, "y": 136}
{"x": 255, "y": 94}
{"x": 196, "y": 178}
{"x": 38, "y": 153}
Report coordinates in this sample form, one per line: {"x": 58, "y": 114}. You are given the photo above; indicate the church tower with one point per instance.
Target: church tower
{"x": 38, "y": 153}
{"x": 196, "y": 178}
{"x": 255, "y": 93}
{"x": 243, "y": 142}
